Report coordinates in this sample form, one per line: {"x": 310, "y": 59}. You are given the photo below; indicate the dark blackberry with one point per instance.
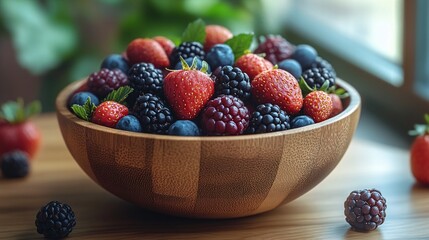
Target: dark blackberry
{"x": 104, "y": 81}
{"x": 365, "y": 210}
{"x": 55, "y": 220}
{"x": 275, "y": 48}
{"x": 315, "y": 77}
{"x": 15, "y": 164}
{"x": 187, "y": 50}
{"x": 144, "y": 78}
{"x": 225, "y": 115}
{"x": 322, "y": 63}
{"x": 232, "y": 81}
{"x": 153, "y": 114}
{"x": 268, "y": 118}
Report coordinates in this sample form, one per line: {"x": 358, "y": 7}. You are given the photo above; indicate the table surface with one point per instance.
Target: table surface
{"x": 316, "y": 215}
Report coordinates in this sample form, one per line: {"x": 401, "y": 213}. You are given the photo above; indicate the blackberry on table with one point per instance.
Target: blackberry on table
{"x": 187, "y": 50}
{"x": 145, "y": 78}
{"x": 55, "y": 220}
{"x": 315, "y": 77}
{"x": 268, "y": 118}
{"x": 365, "y": 210}
{"x": 153, "y": 114}
{"x": 15, "y": 164}
{"x": 104, "y": 81}
{"x": 232, "y": 81}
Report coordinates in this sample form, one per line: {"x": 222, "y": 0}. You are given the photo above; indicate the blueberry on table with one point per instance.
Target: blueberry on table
{"x": 15, "y": 164}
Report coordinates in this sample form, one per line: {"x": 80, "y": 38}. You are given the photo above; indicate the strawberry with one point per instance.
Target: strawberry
{"x": 253, "y": 64}
{"x": 188, "y": 90}
{"x": 318, "y": 105}
{"x": 147, "y": 50}
{"x": 337, "y": 105}
{"x": 419, "y": 152}
{"x": 165, "y": 43}
{"x": 108, "y": 113}
{"x": 17, "y": 131}
{"x": 215, "y": 34}
{"x": 276, "y": 86}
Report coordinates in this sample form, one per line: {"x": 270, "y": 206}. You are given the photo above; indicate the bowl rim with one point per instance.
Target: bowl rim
{"x": 63, "y": 110}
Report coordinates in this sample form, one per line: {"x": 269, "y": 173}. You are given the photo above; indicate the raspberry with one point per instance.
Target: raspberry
{"x": 153, "y": 114}
{"x": 187, "y": 50}
{"x": 15, "y": 164}
{"x": 365, "y": 210}
{"x": 225, "y": 115}
{"x": 268, "y": 118}
{"x": 55, "y": 220}
{"x": 232, "y": 81}
{"x": 104, "y": 81}
{"x": 315, "y": 77}
{"x": 144, "y": 78}
{"x": 276, "y": 48}
{"x": 322, "y": 63}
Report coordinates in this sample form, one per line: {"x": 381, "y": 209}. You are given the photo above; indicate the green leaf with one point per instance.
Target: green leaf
{"x": 33, "y": 109}
{"x": 240, "y": 43}
{"x": 195, "y": 32}
{"x": 16, "y": 112}
{"x": 324, "y": 86}
{"x": 427, "y": 118}
{"x": 119, "y": 95}
{"x": 80, "y": 112}
{"x": 305, "y": 89}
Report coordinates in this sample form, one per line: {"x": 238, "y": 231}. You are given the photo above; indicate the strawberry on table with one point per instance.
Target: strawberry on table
{"x": 188, "y": 90}
{"x": 279, "y": 87}
{"x": 149, "y": 51}
{"x": 253, "y": 64}
{"x": 419, "y": 152}
{"x": 318, "y": 105}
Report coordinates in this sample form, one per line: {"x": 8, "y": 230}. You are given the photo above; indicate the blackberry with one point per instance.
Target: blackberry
{"x": 187, "y": 50}
{"x": 275, "y": 48}
{"x": 15, "y": 164}
{"x": 322, "y": 63}
{"x": 232, "y": 81}
{"x": 268, "y": 118}
{"x": 365, "y": 210}
{"x": 104, "y": 81}
{"x": 55, "y": 220}
{"x": 315, "y": 77}
{"x": 153, "y": 114}
{"x": 225, "y": 115}
{"x": 145, "y": 78}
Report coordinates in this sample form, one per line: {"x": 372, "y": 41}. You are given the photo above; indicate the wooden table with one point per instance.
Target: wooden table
{"x": 316, "y": 215}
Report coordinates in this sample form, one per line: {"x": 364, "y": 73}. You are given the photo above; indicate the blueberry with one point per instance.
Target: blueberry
{"x": 184, "y": 128}
{"x": 220, "y": 55}
{"x": 291, "y": 66}
{"x": 15, "y": 164}
{"x": 305, "y": 55}
{"x": 81, "y": 97}
{"x": 189, "y": 62}
{"x": 129, "y": 123}
{"x": 301, "y": 121}
{"x": 115, "y": 61}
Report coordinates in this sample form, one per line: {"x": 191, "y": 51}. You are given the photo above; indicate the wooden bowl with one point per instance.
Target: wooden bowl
{"x": 208, "y": 177}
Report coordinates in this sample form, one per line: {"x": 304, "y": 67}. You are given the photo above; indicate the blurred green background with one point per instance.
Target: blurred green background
{"x": 47, "y": 44}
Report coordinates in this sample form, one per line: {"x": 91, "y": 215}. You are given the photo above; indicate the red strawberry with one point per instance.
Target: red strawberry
{"x": 147, "y": 50}
{"x": 419, "y": 152}
{"x": 337, "y": 105}
{"x": 216, "y": 34}
{"x": 17, "y": 132}
{"x": 318, "y": 105}
{"x": 108, "y": 113}
{"x": 165, "y": 43}
{"x": 253, "y": 64}
{"x": 188, "y": 90}
{"x": 277, "y": 86}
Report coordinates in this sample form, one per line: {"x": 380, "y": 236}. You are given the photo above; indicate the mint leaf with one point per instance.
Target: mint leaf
{"x": 16, "y": 112}
{"x": 240, "y": 43}
{"x": 305, "y": 89}
{"x": 84, "y": 112}
{"x": 119, "y": 95}
{"x": 195, "y": 32}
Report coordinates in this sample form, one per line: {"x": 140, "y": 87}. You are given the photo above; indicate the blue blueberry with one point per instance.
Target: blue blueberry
{"x": 184, "y": 128}
{"x": 115, "y": 61}
{"x": 292, "y": 66}
{"x": 220, "y": 55}
{"x": 15, "y": 164}
{"x": 129, "y": 123}
{"x": 301, "y": 121}
{"x": 305, "y": 55}
{"x": 81, "y": 97}
{"x": 189, "y": 62}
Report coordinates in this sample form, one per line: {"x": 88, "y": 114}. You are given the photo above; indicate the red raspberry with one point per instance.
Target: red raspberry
{"x": 276, "y": 48}
{"x": 104, "y": 81}
{"x": 225, "y": 115}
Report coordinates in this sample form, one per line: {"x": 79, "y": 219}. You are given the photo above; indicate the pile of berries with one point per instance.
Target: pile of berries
{"x": 210, "y": 83}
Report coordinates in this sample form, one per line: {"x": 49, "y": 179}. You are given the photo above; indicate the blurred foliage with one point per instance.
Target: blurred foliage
{"x": 63, "y": 41}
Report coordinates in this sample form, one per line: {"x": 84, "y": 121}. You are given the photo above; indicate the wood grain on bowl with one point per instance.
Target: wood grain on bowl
{"x": 208, "y": 177}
